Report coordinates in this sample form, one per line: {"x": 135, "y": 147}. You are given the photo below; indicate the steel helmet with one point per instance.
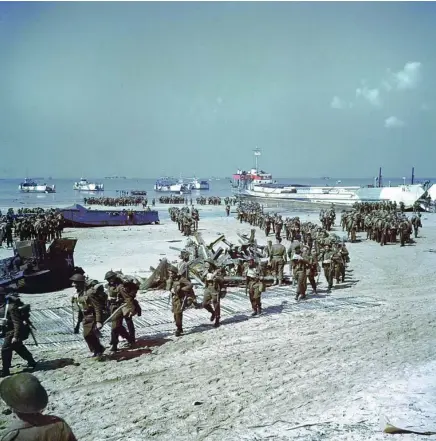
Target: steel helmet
{"x": 24, "y": 393}
{"x": 109, "y": 275}
{"x": 78, "y": 278}
{"x": 92, "y": 283}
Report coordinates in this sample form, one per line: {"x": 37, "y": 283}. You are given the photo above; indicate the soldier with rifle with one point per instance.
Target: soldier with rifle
{"x": 213, "y": 291}
{"x": 122, "y": 293}
{"x": 92, "y": 308}
{"x": 15, "y": 328}
{"x": 182, "y": 296}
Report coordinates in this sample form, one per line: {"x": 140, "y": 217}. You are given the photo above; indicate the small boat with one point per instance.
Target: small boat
{"x": 31, "y": 186}
{"x": 84, "y": 185}
{"x": 196, "y": 184}
{"x": 138, "y": 193}
{"x": 171, "y": 185}
{"x": 77, "y": 216}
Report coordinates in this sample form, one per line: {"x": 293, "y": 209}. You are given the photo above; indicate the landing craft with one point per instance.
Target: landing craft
{"x": 258, "y": 184}
{"x": 35, "y": 268}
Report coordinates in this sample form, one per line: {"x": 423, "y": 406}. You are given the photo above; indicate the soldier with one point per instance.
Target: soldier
{"x": 92, "y": 309}
{"x": 14, "y": 331}
{"x": 327, "y": 265}
{"x": 278, "y": 260}
{"x": 25, "y": 395}
{"x": 416, "y": 222}
{"x": 79, "y": 282}
{"x": 182, "y": 296}
{"x": 255, "y": 287}
{"x": 123, "y": 292}
{"x": 212, "y": 292}
{"x": 300, "y": 266}
{"x": 118, "y": 330}
{"x": 312, "y": 267}
{"x": 184, "y": 264}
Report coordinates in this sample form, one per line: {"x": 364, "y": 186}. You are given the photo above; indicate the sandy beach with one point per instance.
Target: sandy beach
{"x": 328, "y": 368}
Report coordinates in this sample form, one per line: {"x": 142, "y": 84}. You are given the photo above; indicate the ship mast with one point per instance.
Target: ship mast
{"x": 257, "y": 153}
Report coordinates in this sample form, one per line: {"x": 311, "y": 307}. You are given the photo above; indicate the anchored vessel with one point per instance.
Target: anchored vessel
{"x": 197, "y": 184}
{"x": 84, "y": 185}
{"x": 77, "y": 216}
{"x": 30, "y": 186}
{"x": 171, "y": 185}
{"x": 259, "y": 184}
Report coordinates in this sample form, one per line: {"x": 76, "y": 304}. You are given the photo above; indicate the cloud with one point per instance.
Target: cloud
{"x": 424, "y": 107}
{"x": 337, "y": 103}
{"x": 393, "y": 122}
{"x": 370, "y": 95}
{"x": 407, "y": 78}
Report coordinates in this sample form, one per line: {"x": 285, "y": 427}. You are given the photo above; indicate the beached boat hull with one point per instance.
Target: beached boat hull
{"x": 78, "y": 216}
{"x": 37, "y": 269}
{"x": 407, "y": 194}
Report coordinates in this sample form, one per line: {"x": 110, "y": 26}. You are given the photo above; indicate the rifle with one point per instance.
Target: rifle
{"x": 31, "y": 333}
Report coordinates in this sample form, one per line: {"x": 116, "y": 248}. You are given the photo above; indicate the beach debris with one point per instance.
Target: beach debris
{"x": 394, "y": 430}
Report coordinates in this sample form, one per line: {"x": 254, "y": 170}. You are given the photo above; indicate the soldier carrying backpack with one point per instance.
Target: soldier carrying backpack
{"x": 15, "y": 328}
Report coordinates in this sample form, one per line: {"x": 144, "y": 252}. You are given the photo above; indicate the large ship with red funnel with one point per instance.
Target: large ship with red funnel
{"x": 258, "y": 184}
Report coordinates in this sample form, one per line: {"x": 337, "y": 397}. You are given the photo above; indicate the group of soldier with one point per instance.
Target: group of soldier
{"x": 26, "y": 225}
{"x": 186, "y": 218}
{"x": 175, "y": 199}
{"x": 215, "y": 200}
{"x": 381, "y": 222}
{"x": 23, "y": 393}
{"x": 124, "y": 201}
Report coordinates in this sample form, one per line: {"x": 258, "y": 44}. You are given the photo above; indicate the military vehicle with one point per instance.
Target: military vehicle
{"x": 37, "y": 268}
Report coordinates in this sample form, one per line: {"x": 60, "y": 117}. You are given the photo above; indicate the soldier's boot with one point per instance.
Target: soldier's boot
{"x": 259, "y": 306}
{"x": 131, "y": 330}
{"x": 25, "y": 354}
{"x": 209, "y": 308}
{"x": 178, "y": 318}
{"x": 77, "y": 329}
{"x": 217, "y": 314}
{"x": 6, "y": 362}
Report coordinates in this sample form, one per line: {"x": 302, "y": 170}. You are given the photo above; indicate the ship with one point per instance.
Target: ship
{"x": 84, "y": 185}
{"x": 31, "y": 186}
{"x": 77, "y": 216}
{"x": 171, "y": 185}
{"x": 197, "y": 184}
{"x": 37, "y": 268}
{"x": 259, "y": 184}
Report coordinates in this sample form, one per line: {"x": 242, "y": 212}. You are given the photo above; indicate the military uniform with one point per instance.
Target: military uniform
{"x": 212, "y": 296}
{"x": 255, "y": 288}
{"x": 312, "y": 268}
{"x": 14, "y": 333}
{"x": 28, "y": 398}
{"x": 92, "y": 310}
{"x": 182, "y": 296}
{"x": 300, "y": 266}
{"x": 327, "y": 265}
{"x": 117, "y": 328}
{"x": 278, "y": 260}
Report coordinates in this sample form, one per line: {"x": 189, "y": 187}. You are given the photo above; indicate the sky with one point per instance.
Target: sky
{"x": 152, "y": 89}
